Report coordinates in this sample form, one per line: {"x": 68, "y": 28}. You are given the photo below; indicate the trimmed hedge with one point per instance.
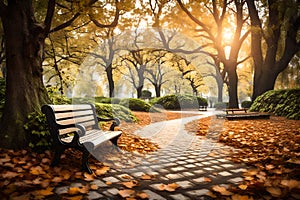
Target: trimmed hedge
{"x": 179, "y": 101}
{"x": 113, "y": 110}
{"x": 279, "y": 102}
{"x": 137, "y": 105}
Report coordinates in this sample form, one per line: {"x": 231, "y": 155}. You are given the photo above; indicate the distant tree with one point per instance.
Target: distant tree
{"x": 213, "y": 31}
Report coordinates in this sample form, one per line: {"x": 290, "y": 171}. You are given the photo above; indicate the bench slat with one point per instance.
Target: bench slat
{"x": 95, "y": 136}
{"x": 80, "y": 120}
{"x": 65, "y": 108}
{"x": 64, "y": 115}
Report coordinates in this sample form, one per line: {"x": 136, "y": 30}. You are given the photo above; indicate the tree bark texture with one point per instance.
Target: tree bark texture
{"x": 25, "y": 91}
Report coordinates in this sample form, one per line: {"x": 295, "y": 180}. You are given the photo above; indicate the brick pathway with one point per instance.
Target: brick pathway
{"x": 195, "y": 164}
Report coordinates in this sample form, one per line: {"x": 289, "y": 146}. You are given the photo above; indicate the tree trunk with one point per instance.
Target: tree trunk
{"x": 110, "y": 79}
{"x": 25, "y": 91}
{"x": 139, "y": 91}
{"x": 263, "y": 82}
{"x": 157, "y": 90}
{"x": 232, "y": 86}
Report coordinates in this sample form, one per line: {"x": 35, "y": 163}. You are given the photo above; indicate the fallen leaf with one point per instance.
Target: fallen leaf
{"x": 130, "y": 184}
{"x": 88, "y": 177}
{"x": 291, "y": 184}
{"x": 94, "y": 187}
{"x": 126, "y": 193}
{"x": 143, "y": 195}
{"x": 102, "y": 171}
{"x": 146, "y": 177}
{"x": 274, "y": 191}
{"x": 46, "y": 192}
{"x": 243, "y": 187}
{"x": 221, "y": 190}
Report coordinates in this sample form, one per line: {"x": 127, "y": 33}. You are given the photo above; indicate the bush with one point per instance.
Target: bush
{"x": 137, "y": 105}
{"x": 279, "y": 102}
{"x": 37, "y": 128}
{"x": 221, "y": 105}
{"x": 114, "y": 110}
{"x": 246, "y": 104}
{"x": 56, "y": 97}
{"x": 179, "y": 101}
{"x": 146, "y": 94}
{"x": 107, "y": 100}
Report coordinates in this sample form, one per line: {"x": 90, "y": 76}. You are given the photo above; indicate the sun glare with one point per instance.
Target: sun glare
{"x": 227, "y": 35}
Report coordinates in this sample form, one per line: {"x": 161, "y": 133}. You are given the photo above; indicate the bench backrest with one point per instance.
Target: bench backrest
{"x": 69, "y": 115}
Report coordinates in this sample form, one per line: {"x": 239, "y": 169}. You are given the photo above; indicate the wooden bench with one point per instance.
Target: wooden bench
{"x": 233, "y": 110}
{"x": 202, "y": 108}
{"x": 76, "y": 126}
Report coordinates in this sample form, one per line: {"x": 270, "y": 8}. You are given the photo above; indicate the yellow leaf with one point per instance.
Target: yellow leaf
{"x": 243, "y": 187}
{"x": 161, "y": 187}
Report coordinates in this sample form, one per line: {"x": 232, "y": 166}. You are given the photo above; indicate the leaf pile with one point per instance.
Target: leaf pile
{"x": 273, "y": 147}
{"x": 27, "y": 175}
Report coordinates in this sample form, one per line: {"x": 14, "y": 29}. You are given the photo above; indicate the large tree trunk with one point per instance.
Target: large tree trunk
{"x": 110, "y": 79}
{"x": 25, "y": 91}
{"x": 157, "y": 90}
{"x": 264, "y": 80}
{"x": 232, "y": 87}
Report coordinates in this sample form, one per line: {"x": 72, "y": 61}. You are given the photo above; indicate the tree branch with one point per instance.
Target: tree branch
{"x": 113, "y": 23}
{"x": 66, "y": 24}
{"x": 49, "y": 16}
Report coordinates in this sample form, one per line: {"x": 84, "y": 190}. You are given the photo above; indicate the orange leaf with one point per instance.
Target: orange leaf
{"x": 274, "y": 191}
{"x": 102, "y": 171}
{"x": 88, "y": 177}
{"x": 143, "y": 195}
{"x": 130, "y": 184}
{"x": 94, "y": 187}
{"x": 172, "y": 187}
{"x": 126, "y": 193}
{"x": 46, "y": 192}
{"x": 221, "y": 190}
{"x": 243, "y": 187}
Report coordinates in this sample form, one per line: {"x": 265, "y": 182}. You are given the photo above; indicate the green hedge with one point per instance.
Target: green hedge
{"x": 114, "y": 110}
{"x": 137, "y": 105}
{"x": 179, "y": 101}
{"x": 279, "y": 102}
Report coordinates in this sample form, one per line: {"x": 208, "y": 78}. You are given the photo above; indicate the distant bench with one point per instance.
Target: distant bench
{"x": 76, "y": 126}
{"x": 202, "y": 108}
{"x": 233, "y": 110}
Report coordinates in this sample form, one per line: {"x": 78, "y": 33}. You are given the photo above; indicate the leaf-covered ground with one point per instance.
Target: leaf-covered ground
{"x": 27, "y": 175}
{"x": 271, "y": 146}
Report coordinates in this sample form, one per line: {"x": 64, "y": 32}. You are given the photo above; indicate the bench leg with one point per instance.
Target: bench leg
{"x": 85, "y": 163}
{"x": 57, "y": 154}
